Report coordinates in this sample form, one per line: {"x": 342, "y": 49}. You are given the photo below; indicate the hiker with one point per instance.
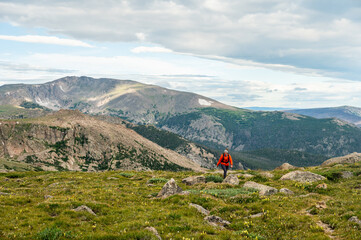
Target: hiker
{"x": 224, "y": 160}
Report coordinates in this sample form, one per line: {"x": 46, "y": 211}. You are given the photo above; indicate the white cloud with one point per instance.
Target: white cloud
{"x": 46, "y": 40}
{"x": 143, "y": 49}
{"x": 268, "y": 32}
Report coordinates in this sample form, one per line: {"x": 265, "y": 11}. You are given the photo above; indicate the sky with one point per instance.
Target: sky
{"x": 250, "y": 53}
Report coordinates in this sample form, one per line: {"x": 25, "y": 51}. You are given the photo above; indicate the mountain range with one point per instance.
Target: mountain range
{"x": 258, "y": 139}
{"x": 346, "y": 113}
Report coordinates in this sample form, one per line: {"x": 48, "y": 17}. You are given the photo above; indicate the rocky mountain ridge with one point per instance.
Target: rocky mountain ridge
{"x": 70, "y": 140}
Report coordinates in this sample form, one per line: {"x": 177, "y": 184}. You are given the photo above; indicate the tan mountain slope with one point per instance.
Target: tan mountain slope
{"x": 71, "y": 140}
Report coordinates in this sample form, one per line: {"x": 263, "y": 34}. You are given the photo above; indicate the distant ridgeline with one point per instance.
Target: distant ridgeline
{"x": 257, "y": 139}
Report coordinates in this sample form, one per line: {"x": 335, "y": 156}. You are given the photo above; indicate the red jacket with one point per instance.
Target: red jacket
{"x": 225, "y": 160}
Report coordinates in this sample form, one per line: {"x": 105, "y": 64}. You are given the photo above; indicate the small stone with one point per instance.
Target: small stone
{"x": 321, "y": 186}
{"x": 47, "y": 197}
{"x": 154, "y": 231}
{"x": 355, "y": 220}
{"x": 245, "y": 175}
{"x": 231, "y": 179}
{"x": 266, "y": 174}
{"x": 321, "y": 205}
{"x": 286, "y": 191}
{"x": 346, "y": 174}
{"x": 169, "y": 189}
{"x": 84, "y": 208}
{"x": 112, "y": 178}
{"x": 200, "y": 209}
{"x": 216, "y": 221}
{"x": 194, "y": 180}
{"x": 257, "y": 215}
{"x": 184, "y": 193}
{"x": 263, "y": 189}
{"x": 4, "y": 193}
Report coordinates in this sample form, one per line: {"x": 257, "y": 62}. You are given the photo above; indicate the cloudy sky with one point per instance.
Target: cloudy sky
{"x": 265, "y": 53}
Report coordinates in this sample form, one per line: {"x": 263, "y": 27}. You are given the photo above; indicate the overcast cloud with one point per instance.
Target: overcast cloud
{"x": 321, "y": 36}
{"x": 271, "y": 53}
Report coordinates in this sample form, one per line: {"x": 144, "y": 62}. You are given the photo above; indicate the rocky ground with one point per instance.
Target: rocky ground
{"x": 312, "y": 203}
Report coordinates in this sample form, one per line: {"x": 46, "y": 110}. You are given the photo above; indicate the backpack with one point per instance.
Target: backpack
{"x": 224, "y": 160}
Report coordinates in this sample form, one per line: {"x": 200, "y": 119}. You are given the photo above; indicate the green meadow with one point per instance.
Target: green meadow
{"x": 40, "y": 205}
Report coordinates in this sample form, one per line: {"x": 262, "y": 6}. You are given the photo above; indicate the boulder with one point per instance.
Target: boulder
{"x": 200, "y": 209}
{"x": 351, "y": 158}
{"x": 169, "y": 189}
{"x": 84, "y": 208}
{"x": 194, "y": 180}
{"x": 154, "y": 231}
{"x": 266, "y": 174}
{"x": 286, "y": 191}
{"x": 286, "y": 166}
{"x": 263, "y": 189}
{"x": 216, "y": 221}
{"x": 302, "y": 176}
{"x": 231, "y": 179}
{"x": 346, "y": 174}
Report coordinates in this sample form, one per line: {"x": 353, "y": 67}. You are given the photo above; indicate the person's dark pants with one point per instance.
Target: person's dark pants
{"x": 225, "y": 169}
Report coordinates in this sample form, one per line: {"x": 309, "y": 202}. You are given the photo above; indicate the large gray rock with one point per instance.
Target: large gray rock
{"x": 194, "y": 180}
{"x": 200, "y": 209}
{"x": 302, "y": 176}
{"x": 169, "y": 189}
{"x": 286, "y": 166}
{"x": 231, "y": 179}
{"x": 263, "y": 189}
{"x": 216, "y": 221}
{"x": 351, "y": 158}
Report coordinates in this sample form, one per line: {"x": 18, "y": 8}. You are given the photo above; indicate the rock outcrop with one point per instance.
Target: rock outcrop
{"x": 194, "y": 180}
{"x": 302, "y": 176}
{"x": 350, "y": 158}
{"x": 263, "y": 189}
{"x": 169, "y": 189}
{"x": 231, "y": 179}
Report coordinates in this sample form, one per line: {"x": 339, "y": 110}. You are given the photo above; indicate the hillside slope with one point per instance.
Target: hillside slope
{"x": 244, "y": 130}
{"x": 71, "y": 140}
{"x": 346, "y": 113}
